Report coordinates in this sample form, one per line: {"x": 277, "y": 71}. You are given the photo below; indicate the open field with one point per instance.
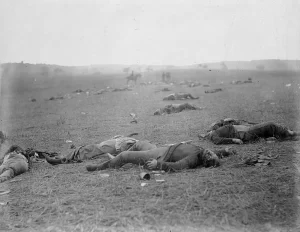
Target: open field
{"x": 227, "y": 198}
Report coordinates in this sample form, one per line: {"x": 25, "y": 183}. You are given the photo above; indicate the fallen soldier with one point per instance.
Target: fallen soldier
{"x": 213, "y": 90}
{"x": 179, "y": 96}
{"x": 229, "y": 121}
{"x": 246, "y": 133}
{"x": 175, "y": 108}
{"x": 112, "y": 146}
{"x": 242, "y": 82}
{"x": 15, "y": 162}
{"x": 101, "y": 91}
{"x": 168, "y": 158}
{"x": 194, "y": 84}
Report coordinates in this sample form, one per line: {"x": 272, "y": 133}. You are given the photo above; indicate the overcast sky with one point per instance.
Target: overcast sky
{"x": 83, "y": 32}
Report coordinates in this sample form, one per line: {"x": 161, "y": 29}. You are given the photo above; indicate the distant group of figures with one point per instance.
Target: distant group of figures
{"x": 166, "y": 77}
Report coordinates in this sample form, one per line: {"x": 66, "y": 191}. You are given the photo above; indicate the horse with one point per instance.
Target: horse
{"x": 133, "y": 77}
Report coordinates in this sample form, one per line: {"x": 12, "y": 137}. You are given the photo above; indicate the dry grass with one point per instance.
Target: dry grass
{"x": 228, "y": 198}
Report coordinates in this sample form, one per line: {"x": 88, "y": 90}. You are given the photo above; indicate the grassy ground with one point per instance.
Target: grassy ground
{"x": 229, "y": 198}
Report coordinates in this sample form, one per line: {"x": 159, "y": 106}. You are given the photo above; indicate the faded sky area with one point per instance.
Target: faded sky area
{"x": 83, "y": 32}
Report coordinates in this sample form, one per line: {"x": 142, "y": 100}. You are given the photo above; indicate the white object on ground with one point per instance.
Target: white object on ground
{"x": 68, "y": 141}
{"x": 160, "y": 180}
{"x": 288, "y": 85}
{"x": 104, "y": 175}
{"x": 143, "y": 184}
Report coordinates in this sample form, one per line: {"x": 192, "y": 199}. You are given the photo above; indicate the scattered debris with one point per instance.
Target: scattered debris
{"x": 72, "y": 146}
{"x": 134, "y": 118}
{"x": 143, "y": 184}
{"x": 144, "y": 176}
{"x": 3, "y": 203}
{"x": 206, "y": 85}
{"x": 288, "y": 85}
{"x": 69, "y": 141}
{"x": 259, "y": 160}
{"x": 32, "y": 99}
{"x": 83, "y": 113}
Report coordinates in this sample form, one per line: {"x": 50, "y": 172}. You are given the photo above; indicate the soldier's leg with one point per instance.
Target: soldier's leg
{"x": 134, "y": 157}
{"x": 269, "y": 129}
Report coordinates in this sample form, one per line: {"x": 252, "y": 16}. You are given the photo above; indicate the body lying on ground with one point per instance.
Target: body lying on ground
{"x": 179, "y": 96}
{"x": 15, "y": 162}
{"x": 213, "y": 90}
{"x": 242, "y": 82}
{"x": 168, "y": 158}
{"x": 246, "y": 133}
{"x": 229, "y": 121}
{"x": 112, "y": 146}
{"x": 175, "y": 108}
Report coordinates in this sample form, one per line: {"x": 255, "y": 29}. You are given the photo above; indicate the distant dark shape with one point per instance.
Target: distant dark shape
{"x": 33, "y": 100}
{"x": 175, "y": 108}
{"x": 213, "y": 90}
{"x": 78, "y": 91}
{"x": 56, "y": 98}
{"x": 2, "y": 137}
{"x": 249, "y": 80}
{"x": 121, "y": 89}
{"x": 133, "y": 77}
{"x": 205, "y": 85}
{"x": 163, "y": 90}
{"x": 179, "y": 96}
